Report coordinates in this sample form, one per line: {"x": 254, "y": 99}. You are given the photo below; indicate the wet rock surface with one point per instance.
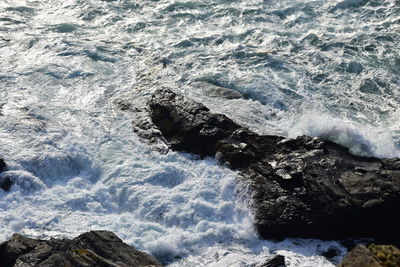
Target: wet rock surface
{"x": 2, "y": 165}
{"x": 276, "y": 261}
{"x": 5, "y": 181}
{"x": 330, "y": 253}
{"x": 215, "y": 91}
{"x": 95, "y": 248}
{"x": 303, "y": 187}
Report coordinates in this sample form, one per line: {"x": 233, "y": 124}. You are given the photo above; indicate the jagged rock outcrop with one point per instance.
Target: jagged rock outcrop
{"x": 95, "y": 248}
{"x": 276, "y": 261}
{"x": 303, "y": 187}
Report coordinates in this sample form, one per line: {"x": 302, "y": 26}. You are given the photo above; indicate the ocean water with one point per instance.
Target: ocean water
{"x": 321, "y": 68}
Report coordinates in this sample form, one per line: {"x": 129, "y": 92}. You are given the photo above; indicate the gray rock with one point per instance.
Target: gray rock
{"x": 355, "y": 67}
{"x": 95, "y": 248}
{"x": 303, "y": 187}
{"x": 215, "y": 91}
{"x": 369, "y": 86}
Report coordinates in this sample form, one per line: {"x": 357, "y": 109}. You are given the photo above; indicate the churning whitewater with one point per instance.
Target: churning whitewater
{"x": 322, "y": 68}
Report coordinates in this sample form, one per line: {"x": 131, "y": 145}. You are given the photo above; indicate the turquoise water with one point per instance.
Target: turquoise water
{"x": 322, "y": 68}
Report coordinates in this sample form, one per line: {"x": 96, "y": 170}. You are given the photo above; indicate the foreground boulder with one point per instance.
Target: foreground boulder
{"x": 372, "y": 256}
{"x": 95, "y": 248}
{"x": 303, "y": 187}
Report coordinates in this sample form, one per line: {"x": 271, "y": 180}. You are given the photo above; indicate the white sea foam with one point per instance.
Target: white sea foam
{"x": 23, "y": 180}
{"x": 364, "y": 140}
{"x": 322, "y": 68}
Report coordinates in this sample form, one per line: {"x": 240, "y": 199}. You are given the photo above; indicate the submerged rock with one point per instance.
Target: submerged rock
{"x": 2, "y": 165}
{"x": 369, "y": 86}
{"x": 354, "y": 67}
{"x": 95, "y": 248}
{"x": 5, "y": 181}
{"x": 303, "y": 187}
{"x": 216, "y": 91}
{"x": 331, "y": 253}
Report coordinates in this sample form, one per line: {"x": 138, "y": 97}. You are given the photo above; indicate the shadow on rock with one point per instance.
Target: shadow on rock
{"x": 303, "y": 187}
{"x": 95, "y": 248}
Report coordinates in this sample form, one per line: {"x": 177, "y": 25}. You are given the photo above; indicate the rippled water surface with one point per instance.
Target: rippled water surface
{"x": 322, "y": 68}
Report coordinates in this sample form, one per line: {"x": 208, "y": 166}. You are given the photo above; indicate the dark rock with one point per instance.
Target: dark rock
{"x": 2, "y": 165}
{"x": 350, "y": 243}
{"x": 277, "y": 261}
{"x": 6, "y": 183}
{"x": 16, "y": 247}
{"x": 95, "y": 248}
{"x": 188, "y": 125}
{"x": 303, "y": 187}
{"x": 330, "y": 253}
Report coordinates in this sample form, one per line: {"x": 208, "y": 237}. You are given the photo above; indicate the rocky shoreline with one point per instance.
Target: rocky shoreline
{"x": 303, "y": 187}
{"x": 95, "y": 248}
{"x": 105, "y": 249}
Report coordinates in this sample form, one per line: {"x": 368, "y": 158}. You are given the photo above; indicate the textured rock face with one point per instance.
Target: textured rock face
{"x": 372, "y": 256}
{"x": 360, "y": 256}
{"x": 304, "y": 187}
{"x": 188, "y": 125}
{"x": 277, "y": 261}
{"x": 95, "y": 248}
{"x": 315, "y": 188}
{"x": 387, "y": 255}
